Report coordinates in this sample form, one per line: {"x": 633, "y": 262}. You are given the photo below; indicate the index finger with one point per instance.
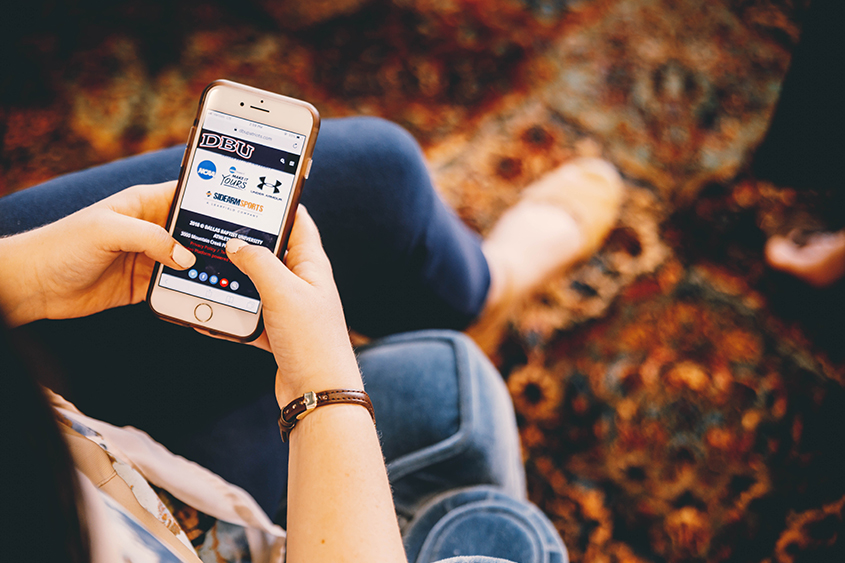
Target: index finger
{"x": 305, "y": 255}
{"x": 148, "y": 202}
{"x": 262, "y": 342}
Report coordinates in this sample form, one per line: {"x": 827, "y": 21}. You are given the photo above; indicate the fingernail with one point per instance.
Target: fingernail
{"x": 234, "y": 245}
{"x": 183, "y": 256}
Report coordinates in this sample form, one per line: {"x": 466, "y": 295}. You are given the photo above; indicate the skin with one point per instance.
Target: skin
{"x": 820, "y": 262}
{"x": 339, "y": 502}
{"x": 95, "y": 259}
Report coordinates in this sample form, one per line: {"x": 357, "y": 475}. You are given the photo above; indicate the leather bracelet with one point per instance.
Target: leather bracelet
{"x": 299, "y": 408}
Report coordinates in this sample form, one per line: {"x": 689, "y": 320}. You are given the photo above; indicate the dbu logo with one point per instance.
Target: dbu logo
{"x": 206, "y": 170}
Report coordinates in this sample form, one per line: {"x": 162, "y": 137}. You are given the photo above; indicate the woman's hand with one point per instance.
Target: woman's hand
{"x": 339, "y": 504}
{"x": 95, "y": 259}
{"x": 303, "y": 317}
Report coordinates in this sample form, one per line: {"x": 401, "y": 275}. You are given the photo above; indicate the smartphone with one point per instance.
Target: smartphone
{"x": 248, "y": 154}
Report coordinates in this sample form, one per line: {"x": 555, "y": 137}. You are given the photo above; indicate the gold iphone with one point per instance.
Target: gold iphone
{"x": 248, "y": 154}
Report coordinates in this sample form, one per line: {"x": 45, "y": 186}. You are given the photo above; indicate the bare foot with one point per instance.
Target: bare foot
{"x": 820, "y": 261}
{"x": 530, "y": 241}
{"x": 560, "y": 220}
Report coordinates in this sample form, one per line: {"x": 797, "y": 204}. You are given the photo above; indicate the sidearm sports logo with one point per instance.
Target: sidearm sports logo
{"x": 236, "y": 201}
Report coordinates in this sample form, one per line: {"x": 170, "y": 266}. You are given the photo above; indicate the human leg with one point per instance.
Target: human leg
{"x": 561, "y": 219}
{"x": 444, "y": 414}
{"x": 401, "y": 258}
{"x": 56, "y": 198}
{"x": 450, "y": 440}
{"x": 819, "y": 259}
{"x": 482, "y": 522}
{"x": 412, "y": 264}
{"x": 201, "y": 396}
{"x": 108, "y": 357}
{"x": 804, "y": 145}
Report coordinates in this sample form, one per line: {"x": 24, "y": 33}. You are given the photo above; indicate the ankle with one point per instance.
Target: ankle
{"x": 819, "y": 261}
{"x": 530, "y": 243}
{"x": 560, "y": 219}
{"x": 496, "y": 291}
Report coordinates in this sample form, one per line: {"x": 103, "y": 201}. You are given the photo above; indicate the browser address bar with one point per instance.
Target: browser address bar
{"x": 258, "y": 132}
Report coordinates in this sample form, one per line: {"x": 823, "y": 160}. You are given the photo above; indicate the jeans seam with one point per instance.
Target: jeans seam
{"x": 457, "y": 443}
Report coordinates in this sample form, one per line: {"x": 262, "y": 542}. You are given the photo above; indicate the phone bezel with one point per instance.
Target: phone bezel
{"x": 275, "y": 110}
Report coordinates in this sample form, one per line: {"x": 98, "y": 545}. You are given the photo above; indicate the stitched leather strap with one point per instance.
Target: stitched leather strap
{"x": 299, "y": 408}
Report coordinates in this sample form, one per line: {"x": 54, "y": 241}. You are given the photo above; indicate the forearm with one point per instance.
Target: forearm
{"x": 20, "y": 300}
{"x": 339, "y": 503}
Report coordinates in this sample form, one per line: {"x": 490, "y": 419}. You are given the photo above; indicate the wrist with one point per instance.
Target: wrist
{"x": 300, "y": 408}
{"x": 289, "y": 389}
{"x": 20, "y": 300}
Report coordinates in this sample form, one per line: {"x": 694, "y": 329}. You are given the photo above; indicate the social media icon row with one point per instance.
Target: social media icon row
{"x": 212, "y": 279}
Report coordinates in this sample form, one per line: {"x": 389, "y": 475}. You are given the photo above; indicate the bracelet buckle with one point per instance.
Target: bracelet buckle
{"x": 310, "y": 400}
{"x": 297, "y": 409}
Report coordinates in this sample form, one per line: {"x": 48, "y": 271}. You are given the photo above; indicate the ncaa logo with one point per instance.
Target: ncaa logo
{"x": 206, "y": 170}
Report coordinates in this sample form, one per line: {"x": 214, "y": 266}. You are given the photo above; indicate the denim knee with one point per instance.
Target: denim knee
{"x": 367, "y": 146}
{"x": 369, "y": 193}
{"x": 444, "y": 415}
{"x": 377, "y": 161}
{"x": 478, "y": 523}
{"x": 402, "y": 259}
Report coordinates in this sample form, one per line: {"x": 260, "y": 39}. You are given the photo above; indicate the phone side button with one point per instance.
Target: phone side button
{"x": 203, "y": 312}
{"x": 308, "y": 167}
{"x": 187, "y": 146}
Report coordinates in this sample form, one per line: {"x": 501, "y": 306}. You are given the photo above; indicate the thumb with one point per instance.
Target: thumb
{"x": 262, "y": 266}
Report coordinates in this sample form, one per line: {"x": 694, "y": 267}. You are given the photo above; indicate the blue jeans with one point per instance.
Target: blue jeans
{"x": 449, "y": 437}
{"x": 401, "y": 258}
{"x": 402, "y": 261}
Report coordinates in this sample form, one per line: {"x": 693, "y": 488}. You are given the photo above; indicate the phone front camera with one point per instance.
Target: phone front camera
{"x": 242, "y": 104}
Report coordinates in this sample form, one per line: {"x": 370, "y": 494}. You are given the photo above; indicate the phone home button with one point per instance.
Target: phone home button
{"x": 203, "y": 312}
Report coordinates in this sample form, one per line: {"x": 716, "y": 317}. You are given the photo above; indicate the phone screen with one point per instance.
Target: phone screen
{"x": 238, "y": 184}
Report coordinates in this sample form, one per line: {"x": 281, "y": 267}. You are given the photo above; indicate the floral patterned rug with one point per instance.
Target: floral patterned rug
{"x": 677, "y": 400}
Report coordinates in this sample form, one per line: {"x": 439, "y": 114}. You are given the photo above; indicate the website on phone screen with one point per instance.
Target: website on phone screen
{"x": 239, "y": 182}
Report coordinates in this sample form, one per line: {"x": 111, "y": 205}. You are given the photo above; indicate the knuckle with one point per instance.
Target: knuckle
{"x": 258, "y": 253}
{"x": 162, "y": 236}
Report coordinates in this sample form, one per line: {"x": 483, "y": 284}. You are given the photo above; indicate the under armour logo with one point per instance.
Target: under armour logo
{"x": 271, "y": 184}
